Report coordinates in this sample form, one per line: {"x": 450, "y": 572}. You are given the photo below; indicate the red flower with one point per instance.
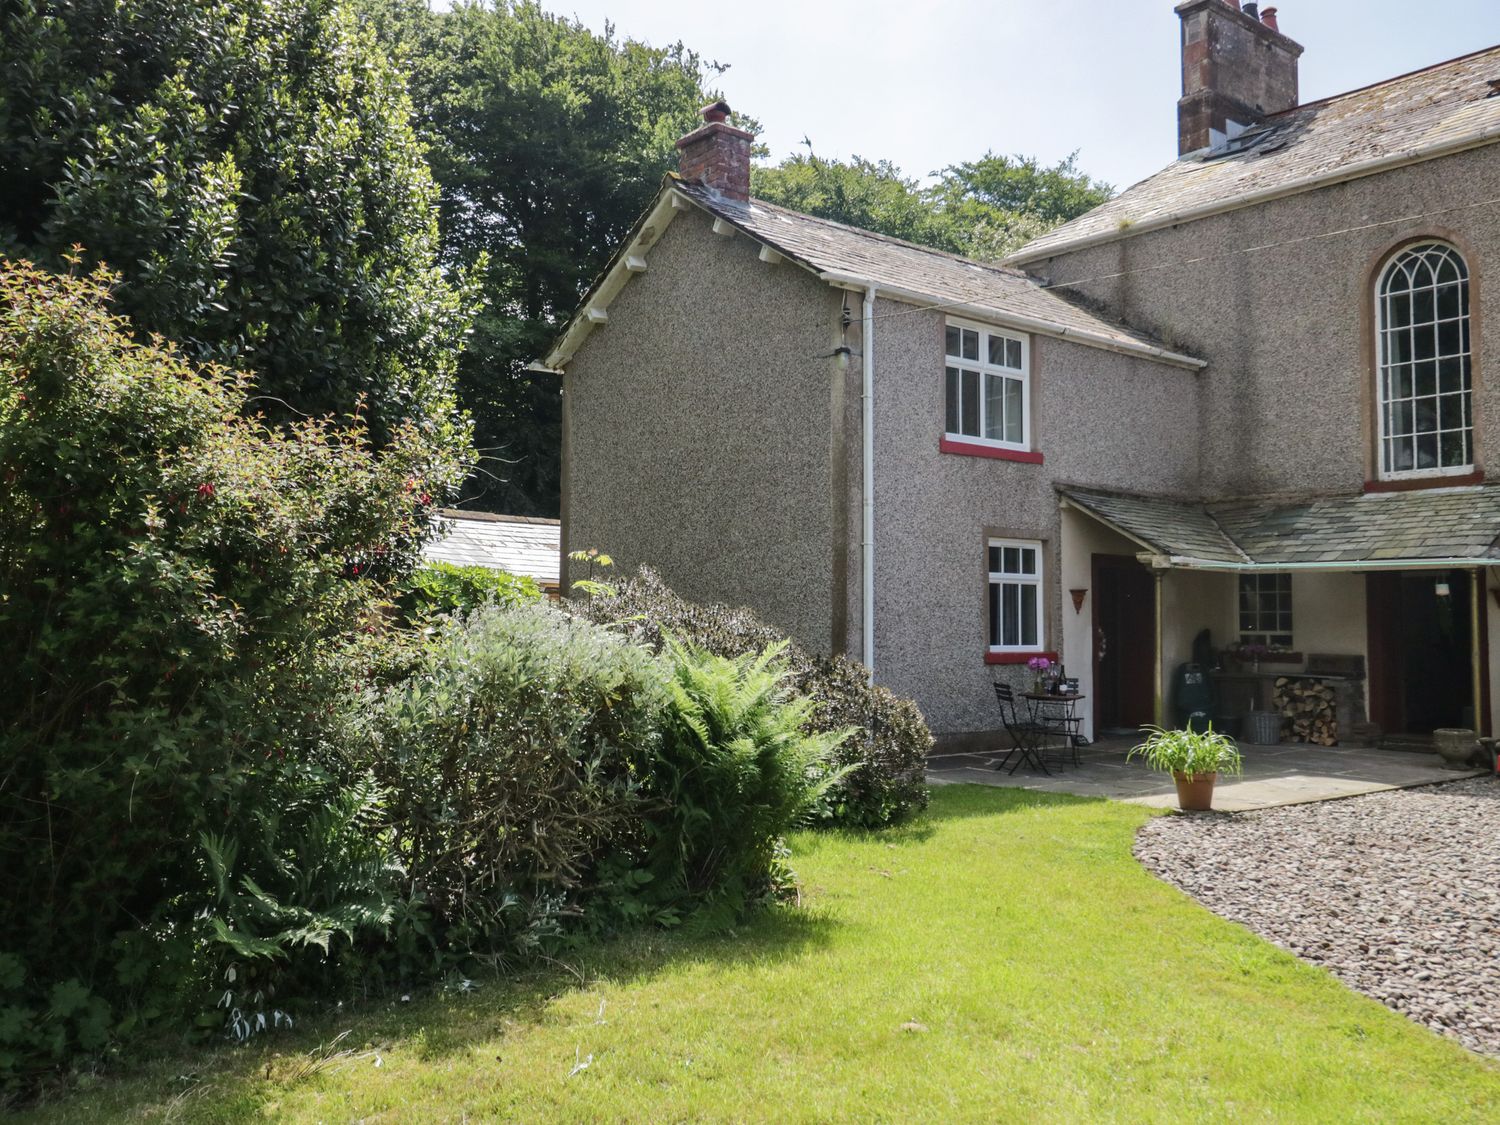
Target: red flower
{"x": 205, "y": 490}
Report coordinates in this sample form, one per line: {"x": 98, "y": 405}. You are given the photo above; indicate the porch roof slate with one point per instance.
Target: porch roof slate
{"x": 1370, "y": 529}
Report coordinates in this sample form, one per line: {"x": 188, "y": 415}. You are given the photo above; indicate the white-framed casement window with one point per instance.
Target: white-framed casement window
{"x": 987, "y": 386}
{"x": 1017, "y": 620}
{"x": 1266, "y": 610}
{"x": 1425, "y": 410}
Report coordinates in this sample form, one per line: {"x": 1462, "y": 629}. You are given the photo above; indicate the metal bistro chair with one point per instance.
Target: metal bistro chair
{"x": 1027, "y": 736}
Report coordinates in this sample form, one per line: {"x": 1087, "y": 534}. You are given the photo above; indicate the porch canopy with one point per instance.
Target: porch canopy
{"x": 1440, "y": 528}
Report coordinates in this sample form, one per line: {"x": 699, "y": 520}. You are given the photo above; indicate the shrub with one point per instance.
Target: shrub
{"x": 512, "y": 757}
{"x": 186, "y": 597}
{"x": 883, "y": 762}
{"x": 443, "y": 588}
{"x": 734, "y": 773}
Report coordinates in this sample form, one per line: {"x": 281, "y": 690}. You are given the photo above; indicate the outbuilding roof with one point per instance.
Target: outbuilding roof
{"x": 1371, "y": 530}
{"x": 523, "y": 545}
{"x": 1433, "y": 112}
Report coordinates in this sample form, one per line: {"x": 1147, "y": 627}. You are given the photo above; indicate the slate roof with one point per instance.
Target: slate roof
{"x": 945, "y": 279}
{"x": 1429, "y": 112}
{"x": 526, "y": 545}
{"x": 1425, "y": 525}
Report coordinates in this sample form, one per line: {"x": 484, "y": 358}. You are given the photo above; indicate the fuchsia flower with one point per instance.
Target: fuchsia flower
{"x": 205, "y": 491}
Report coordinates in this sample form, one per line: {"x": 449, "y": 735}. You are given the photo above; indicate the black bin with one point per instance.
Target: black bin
{"x": 1192, "y": 697}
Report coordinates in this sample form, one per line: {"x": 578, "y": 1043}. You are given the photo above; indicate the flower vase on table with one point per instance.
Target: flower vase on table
{"x": 1039, "y": 666}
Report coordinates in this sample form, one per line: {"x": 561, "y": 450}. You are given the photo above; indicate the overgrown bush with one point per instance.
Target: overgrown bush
{"x": 883, "y": 762}
{"x": 187, "y": 596}
{"x": 512, "y": 758}
{"x": 443, "y": 588}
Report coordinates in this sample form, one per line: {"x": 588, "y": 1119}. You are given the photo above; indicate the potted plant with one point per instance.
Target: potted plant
{"x": 1194, "y": 758}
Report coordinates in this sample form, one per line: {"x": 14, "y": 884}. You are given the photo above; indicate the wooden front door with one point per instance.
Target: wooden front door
{"x": 1421, "y": 650}
{"x": 1124, "y": 643}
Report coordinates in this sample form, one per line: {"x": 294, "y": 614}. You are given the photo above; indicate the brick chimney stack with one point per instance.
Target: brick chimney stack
{"x": 716, "y": 154}
{"x": 1237, "y": 70}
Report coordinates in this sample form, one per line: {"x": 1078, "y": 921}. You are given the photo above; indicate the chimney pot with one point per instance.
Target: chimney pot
{"x": 1268, "y": 17}
{"x": 715, "y": 111}
{"x": 1252, "y": 10}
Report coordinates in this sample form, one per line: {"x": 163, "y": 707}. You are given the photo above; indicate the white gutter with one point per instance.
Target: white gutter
{"x": 867, "y": 489}
{"x": 1024, "y": 323}
{"x": 1129, "y": 227}
{"x": 1181, "y": 562}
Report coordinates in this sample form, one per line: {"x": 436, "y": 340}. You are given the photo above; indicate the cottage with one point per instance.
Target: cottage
{"x": 1245, "y": 396}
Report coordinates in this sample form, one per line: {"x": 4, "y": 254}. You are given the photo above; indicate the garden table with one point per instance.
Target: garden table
{"x": 1059, "y": 712}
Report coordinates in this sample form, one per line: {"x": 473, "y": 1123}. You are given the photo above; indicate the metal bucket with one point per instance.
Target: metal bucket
{"x": 1263, "y": 728}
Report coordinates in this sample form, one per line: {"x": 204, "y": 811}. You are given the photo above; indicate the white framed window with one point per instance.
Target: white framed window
{"x": 987, "y": 386}
{"x": 1017, "y": 617}
{"x": 1266, "y": 610}
{"x": 1425, "y": 410}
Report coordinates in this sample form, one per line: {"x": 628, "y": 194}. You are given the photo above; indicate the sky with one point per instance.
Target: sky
{"x": 934, "y": 84}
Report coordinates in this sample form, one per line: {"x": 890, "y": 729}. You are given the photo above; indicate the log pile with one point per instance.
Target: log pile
{"x": 1308, "y": 711}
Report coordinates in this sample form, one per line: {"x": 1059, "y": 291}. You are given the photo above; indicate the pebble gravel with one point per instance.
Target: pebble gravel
{"x": 1396, "y": 893}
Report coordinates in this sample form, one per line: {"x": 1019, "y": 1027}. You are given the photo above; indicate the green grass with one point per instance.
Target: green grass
{"x": 1004, "y": 960}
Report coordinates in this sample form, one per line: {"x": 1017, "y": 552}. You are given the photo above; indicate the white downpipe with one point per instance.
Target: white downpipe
{"x": 867, "y": 490}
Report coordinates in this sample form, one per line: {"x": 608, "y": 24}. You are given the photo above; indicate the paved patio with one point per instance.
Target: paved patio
{"x": 1274, "y": 775}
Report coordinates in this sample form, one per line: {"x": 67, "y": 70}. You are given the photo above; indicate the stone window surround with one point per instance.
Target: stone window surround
{"x": 1046, "y": 605}
{"x": 1370, "y": 378}
{"x": 976, "y": 445}
{"x": 1383, "y": 329}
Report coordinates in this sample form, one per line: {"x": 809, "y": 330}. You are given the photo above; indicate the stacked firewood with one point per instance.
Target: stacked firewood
{"x": 1308, "y": 711}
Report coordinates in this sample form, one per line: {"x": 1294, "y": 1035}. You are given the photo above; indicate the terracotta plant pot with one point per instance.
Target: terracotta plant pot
{"x": 1195, "y": 791}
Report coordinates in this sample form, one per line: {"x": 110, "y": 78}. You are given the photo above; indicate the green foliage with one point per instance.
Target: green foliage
{"x": 983, "y": 209}
{"x": 249, "y": 169}
{"x": 734, "y": 773}
{"x": 886, "y": 757}
{"x": 187, "y": 594}
{"x": 548, "y": 140}
{"x": 1189, "y": 751}
{"x": 443, "y": 588}
{"x": 511, "y": 756}
{"x": 862, "y": 193}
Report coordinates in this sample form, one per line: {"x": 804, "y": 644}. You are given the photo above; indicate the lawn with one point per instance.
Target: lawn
{"x": 1004, "y": 959}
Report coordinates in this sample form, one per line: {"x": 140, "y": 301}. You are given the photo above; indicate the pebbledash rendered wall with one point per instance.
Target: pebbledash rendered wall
{"x": 698, "y": 434}
{"x": 1098, "y": 418}
{"x": 1279, "y": 298}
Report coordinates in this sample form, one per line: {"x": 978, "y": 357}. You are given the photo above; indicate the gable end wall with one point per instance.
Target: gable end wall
{"x": 699, "y": 436}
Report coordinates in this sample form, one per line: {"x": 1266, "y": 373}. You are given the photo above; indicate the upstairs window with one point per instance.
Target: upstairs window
{"x": 1016, "y": 621}
{"x": 1266, "y": 610}
{"x": 987, "y": 386}
{"x": 1426, "y": 410}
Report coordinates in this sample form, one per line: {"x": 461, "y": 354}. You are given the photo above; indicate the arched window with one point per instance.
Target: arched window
{"x": 1426, "y": 412}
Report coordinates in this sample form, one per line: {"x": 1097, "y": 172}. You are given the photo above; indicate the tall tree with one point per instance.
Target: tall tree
{"x": 982, "y": 209}
{"x": 548, "y": 141}
{"x": 250, "y": 169}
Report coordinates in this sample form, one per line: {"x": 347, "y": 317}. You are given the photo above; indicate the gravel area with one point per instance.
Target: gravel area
{"x": 1396, "y": 893}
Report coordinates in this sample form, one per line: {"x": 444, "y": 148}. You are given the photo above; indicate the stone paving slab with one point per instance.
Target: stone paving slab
{"x": 1274, "y": 775}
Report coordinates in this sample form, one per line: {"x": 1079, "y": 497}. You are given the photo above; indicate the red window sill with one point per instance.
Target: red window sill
{"x": 1410, "y": 484}
{"x": 975, "y": 449}
{"x": 1016, "y": 657}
